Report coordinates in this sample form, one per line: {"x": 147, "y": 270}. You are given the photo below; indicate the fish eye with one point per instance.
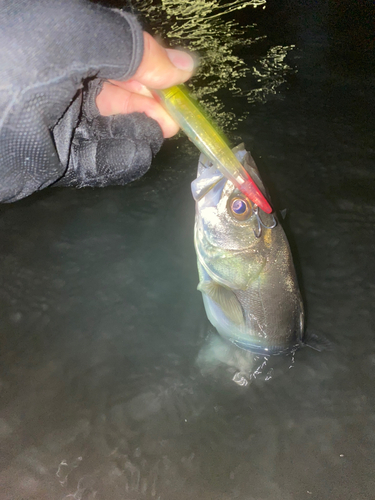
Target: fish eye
{"x": 240, "y": 208}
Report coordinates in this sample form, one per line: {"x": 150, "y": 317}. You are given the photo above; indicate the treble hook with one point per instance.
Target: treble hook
{"x": 261, "y": 223}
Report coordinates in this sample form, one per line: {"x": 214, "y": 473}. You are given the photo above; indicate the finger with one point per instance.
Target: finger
{"x": 114, "y": 100}
{"x": 133, "y": 86}
{"x": 162, "y": 68}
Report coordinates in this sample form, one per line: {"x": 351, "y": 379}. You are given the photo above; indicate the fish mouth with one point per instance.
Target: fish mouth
{"x": 294, "y": 342}
{"x": 266, "y": 351}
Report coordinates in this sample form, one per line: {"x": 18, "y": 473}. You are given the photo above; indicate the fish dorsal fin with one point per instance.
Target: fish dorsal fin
{"x": 226, "y": 300}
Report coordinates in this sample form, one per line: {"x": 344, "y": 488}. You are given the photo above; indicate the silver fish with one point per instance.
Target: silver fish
{"x": 247, "y": 277}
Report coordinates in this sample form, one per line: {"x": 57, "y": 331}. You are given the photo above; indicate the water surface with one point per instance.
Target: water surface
{"x": 101, "y": 322}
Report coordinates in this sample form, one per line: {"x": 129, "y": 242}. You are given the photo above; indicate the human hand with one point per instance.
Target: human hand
{"x": 160, "y": 68}
{"x": 54, "y": 62}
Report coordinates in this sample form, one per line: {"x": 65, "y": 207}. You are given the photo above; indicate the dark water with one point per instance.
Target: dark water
{"x": 101, "y": 322}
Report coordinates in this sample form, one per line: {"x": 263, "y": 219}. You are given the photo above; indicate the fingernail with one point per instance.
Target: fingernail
{"x": 181, "y": 60}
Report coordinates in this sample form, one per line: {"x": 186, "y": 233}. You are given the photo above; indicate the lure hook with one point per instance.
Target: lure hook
{"x": 261, "y": 224}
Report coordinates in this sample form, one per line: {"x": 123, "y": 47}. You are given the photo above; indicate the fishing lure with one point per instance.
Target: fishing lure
{"x": 209, "y": 140}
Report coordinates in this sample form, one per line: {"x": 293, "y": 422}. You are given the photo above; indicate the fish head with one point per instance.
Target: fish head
{"x": 247, "y": 276}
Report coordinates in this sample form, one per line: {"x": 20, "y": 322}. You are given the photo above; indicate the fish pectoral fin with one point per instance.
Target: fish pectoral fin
{"x": 225, "y": 299}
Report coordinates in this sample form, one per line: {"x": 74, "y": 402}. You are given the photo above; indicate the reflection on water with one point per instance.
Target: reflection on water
{"x": 206, "y": 27}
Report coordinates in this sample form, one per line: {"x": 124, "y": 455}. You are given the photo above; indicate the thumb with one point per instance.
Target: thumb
{"x": 162, "y": 68}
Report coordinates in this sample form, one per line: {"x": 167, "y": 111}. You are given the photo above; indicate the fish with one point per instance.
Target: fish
{"x": 246, "y": 272}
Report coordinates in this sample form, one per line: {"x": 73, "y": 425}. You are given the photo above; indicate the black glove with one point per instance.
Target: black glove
{"x": 106, "y": 150}
{"x": 54, "y": 56}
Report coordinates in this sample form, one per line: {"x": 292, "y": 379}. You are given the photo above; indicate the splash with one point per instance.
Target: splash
{"x": 65, "y": 468}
